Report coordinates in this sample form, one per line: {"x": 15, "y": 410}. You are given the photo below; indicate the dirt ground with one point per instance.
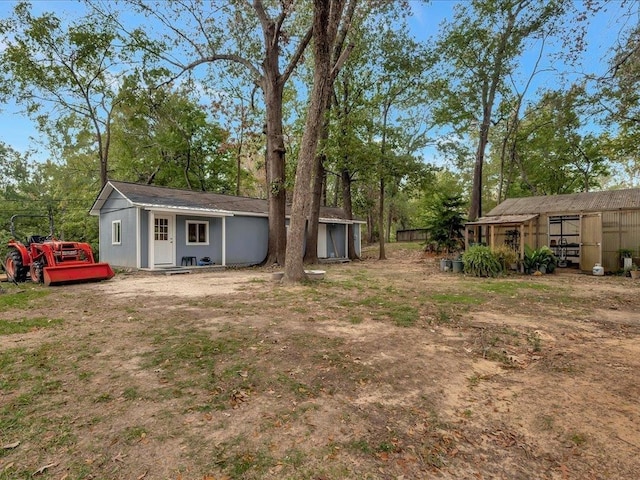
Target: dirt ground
{"x": 384, "y": 370}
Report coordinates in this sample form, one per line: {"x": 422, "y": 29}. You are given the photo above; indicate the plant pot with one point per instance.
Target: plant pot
{"x": 635, "y": 274}
{"x": 457, "y": 266}
{"x": 542, "y": 269}
{"x": 314, "y": 274}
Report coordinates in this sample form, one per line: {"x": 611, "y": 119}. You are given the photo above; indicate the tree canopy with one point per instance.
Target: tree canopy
{"x": 227, "y": 97}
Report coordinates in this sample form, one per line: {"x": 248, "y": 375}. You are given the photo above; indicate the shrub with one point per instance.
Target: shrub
{"x": 505, "y": 255}
{"x": 446, "y": 224}
{"x": 535, "y": 258}
{"x": 480, "y": 261}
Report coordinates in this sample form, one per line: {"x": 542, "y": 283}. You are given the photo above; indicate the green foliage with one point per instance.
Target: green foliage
{"x": 26, "y": 325}
{"x": 505, "y": 255}
{"x": 556, "y": 157}
{"x": 480, "y": 261}
{"x": 625, "y": 252}
{"x": 15, "y": 297}
{"x": 446, "y": 225}
{"x": 161, "y": 135}
{"x": 534, "y": 259}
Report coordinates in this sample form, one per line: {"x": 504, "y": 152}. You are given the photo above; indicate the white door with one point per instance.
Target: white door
{"x": 163, "y": 241}
{"x": 322, "y": 240}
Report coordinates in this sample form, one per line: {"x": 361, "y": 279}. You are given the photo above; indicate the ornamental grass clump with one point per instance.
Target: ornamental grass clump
{"x": 480, "y": 261}
{"x": 506, "y": 255}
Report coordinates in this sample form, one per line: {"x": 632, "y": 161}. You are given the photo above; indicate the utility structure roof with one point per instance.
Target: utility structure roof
{"x": 627, "y": 199}
{"x": 198, "y": 202}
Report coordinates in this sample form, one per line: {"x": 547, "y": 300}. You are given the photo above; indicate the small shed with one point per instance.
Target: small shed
{"x": 581, "y": 228}
{"x": 146, "y": 226}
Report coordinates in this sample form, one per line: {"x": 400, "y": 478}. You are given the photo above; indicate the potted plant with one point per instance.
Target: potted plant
{"x": 542, "y": 260}
{"x": 507, "y": 256}
{"x": 626, "y": 255}
{"x": 634, "y": 271}
{"x": 547, "y": 260}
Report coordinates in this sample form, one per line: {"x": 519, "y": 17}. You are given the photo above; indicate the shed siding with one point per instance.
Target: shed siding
{"x": 212, "y": 250}
{"x": 118, "y": 208}
{"x": 144, "y": 238}
{"x": 247, "y": 240}
{"x": 620, "y": 229}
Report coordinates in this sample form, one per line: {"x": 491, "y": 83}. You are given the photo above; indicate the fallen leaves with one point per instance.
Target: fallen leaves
{"x": 238, "y": 397}
{"x": 9, "y": 446}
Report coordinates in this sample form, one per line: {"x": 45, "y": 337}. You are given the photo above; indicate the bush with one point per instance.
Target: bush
{"x": 506, "y": 256}
{"x": 480, "y": 261}
{"x": 543, "y": 256}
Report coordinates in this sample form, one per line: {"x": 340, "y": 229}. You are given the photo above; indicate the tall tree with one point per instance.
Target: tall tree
{"x": 327, "y": 15}
{"x": 552, "y": 153}
{"x": 63, "y": 74}
{"x": 340, "y": 51}
{"x": 479, "y": 48}
{"x": 162, "y": 136}
{"x": 620, "y": 96}
{"x": 255, "y": 40}
{"x": 399, "y": 87}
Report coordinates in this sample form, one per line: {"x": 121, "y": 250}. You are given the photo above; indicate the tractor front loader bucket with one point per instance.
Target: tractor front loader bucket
{"x": 77, "y": 273}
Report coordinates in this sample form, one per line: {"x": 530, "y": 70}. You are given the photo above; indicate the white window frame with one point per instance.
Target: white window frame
{"x": 116, "y": 232}
{"x": 206, "y": 231}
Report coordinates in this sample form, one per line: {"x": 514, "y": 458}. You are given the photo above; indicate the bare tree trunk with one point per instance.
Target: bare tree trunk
{"x": 489, "y": 88}
{"x": 382, "y": 254}
{"x": 311, "y": 249}
{"x": 389, "y": 221}
{"x": 319, "y": 190}
{"x": 347, "y": 206}
{"x": 275, "y": 175}
{"x": 272, "y": 83}
{"x": 326, "y": 18}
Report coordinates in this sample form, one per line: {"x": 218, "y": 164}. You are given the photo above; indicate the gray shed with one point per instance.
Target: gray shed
{"x": 582, "y": 228}
{"x": 145, "y": 226}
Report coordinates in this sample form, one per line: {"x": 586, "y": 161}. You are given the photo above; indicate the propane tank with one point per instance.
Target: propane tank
{"x": 598, "y": 269}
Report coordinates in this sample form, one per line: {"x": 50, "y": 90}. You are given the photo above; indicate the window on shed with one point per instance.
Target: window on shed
{"x": 197, "y": 233}
{"x": 116, "y": 232}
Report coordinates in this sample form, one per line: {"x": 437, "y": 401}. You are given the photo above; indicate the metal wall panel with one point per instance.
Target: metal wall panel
{"x": 621, "y": 229}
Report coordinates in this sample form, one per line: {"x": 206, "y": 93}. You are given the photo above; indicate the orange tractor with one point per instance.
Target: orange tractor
{"x": 53, "y": 262}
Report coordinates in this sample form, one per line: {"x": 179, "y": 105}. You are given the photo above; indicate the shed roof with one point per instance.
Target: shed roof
{"x": 504, "y": 219}
{"x": 627, "y": 199}
{"x": 152, "y": 196}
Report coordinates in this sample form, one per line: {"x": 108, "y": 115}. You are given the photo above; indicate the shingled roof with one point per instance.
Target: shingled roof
{"x": 152, "y": 196}
{"x": 570, "y": 203}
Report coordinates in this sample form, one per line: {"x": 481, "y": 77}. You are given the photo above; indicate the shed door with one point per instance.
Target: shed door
{"x": 591, "y": 240}
{"x": 322, "y": 240}
{"x": 163, "y": 241}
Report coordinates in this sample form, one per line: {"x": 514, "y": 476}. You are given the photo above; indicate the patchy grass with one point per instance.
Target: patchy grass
{"x": 23, "y": 325}
{"x": 23, "y": 297}
{"x": 383, "y": 370}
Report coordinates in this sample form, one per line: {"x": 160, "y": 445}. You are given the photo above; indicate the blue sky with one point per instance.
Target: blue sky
{"x": 18, "y": 131}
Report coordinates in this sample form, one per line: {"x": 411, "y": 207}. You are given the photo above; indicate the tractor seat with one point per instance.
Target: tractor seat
{"x": 36, "y": 239}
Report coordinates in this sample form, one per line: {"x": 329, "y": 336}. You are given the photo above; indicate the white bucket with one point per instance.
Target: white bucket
{"x": 598, "y": 269}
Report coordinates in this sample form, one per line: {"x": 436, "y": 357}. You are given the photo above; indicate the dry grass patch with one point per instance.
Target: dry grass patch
{"x": 386, "y": 369}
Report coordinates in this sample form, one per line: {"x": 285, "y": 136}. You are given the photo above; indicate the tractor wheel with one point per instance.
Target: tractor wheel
{"x": 36, "y": 272}
{"x": 16, "y": 272}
